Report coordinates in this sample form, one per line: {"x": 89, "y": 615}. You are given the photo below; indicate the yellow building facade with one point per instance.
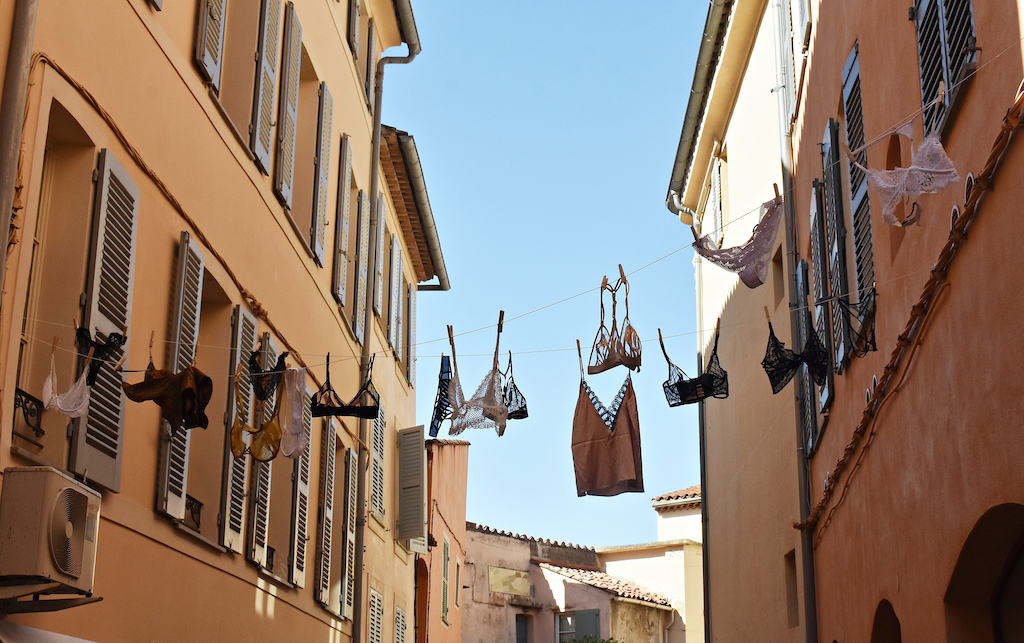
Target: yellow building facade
{"x": 201, "y": 178}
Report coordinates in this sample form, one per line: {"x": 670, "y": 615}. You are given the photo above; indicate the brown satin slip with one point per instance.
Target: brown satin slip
{"x": 606, "y": 442}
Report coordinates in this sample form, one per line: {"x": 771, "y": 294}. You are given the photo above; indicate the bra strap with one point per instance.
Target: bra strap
{"x": 662, "y": 342}
{"x": 579, "y": 351}
{"x": 497, "y": 342}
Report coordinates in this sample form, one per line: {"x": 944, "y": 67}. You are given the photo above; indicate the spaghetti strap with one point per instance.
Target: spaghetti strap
{"x": 579, "y": 351}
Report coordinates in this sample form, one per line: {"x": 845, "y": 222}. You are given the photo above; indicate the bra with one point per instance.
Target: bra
{"x": 781, "y": 364}
{"x": 182, "y": 396}
{"x": 101, "y": 352}
{"x": 365, "y": 404}
{"x": 264, "y": 382}
{"x": 612, "y": 348}
{"x": 486, "y": 409}
{"x": 679, "y": 389}
{"x": 442, "y": 405}
{"x": 514, "y": 399}
{"x": 264, "y": 442}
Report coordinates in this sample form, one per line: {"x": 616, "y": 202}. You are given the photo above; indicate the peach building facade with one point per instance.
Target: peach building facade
{"x": 201, "y": 178}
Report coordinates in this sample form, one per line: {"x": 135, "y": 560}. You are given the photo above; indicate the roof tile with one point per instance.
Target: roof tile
{"x": 609, "y": 583}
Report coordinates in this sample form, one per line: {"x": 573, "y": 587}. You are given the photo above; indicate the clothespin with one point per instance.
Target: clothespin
{"x": 778, "y": 197}
{"x": 88, "y": 358}
{"x": 120, "y": 362}
{"x": 53, "y": 347}
{"x": 940, "y": 100}
{"x": 718, "y": 325}
{"x": 152, "y": 334}
{"x": 622, "y": 275}
{"x": 501, "y": 320}
{"x": 604, "y": 282}
{"x": 766, "y": 315}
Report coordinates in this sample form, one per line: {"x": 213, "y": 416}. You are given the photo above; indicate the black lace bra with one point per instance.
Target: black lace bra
{"x": 365, "y": 404}
{"x": 679, "y": 389}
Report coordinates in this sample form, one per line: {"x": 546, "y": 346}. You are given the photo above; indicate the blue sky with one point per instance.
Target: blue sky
{"x": 547, "y": 133}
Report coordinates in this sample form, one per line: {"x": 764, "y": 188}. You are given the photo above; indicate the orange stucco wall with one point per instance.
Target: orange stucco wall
{"x": 448, "y": 470}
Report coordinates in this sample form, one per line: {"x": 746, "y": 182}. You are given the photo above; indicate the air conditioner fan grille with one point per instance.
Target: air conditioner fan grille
{"x": 67, "y": 530}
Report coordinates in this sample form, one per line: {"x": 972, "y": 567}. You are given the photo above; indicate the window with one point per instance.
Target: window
{"x": 379, "y": 444}
{"x": 445, "y": 553}
{"x": 834, "y": 270}
{"x": 376, "y": 616}
{"x": 522, "y": 628}
{"x": 947, "y": 54}
{"x": 410, "y": 336}
{"x": 566, "y": 627}
{"x": 458, "y": 580}
{"x": 822, "y": 308}
{"x": 578, "y": 625}
{"x": 354, "y": 13}
{"x": 715, "y": 204}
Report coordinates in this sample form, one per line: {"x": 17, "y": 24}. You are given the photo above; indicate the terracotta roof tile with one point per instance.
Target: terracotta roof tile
{"x": 609, "y": 583}
{"x": 484, "y": 529}
{"x": 683, "y": 494}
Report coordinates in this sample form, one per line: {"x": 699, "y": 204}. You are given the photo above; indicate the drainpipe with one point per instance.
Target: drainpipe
{"x": 410, "y": 36}
{"x": 705, "y": 558}
{"x": 797, "y": 305}
{"x": 12, "y": 108}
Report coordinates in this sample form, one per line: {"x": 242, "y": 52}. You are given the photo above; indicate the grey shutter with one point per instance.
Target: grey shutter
{"x": 341, "y": 219}
{"x": 98, "y": 437}
{"x": 210, "y": 40}
{"x": 353, "y": 27}
{"x": 588, "y": 623}
{"x": 399, "y": 625}
{"x": 932, "y": 60}
{"x": 300, "y": 499}
{"x": 371, "y": 55}
{"x": 318, "y": 232}
{"x": 412, "y": 484}
{"x": 835, "y": 239}
{"x": 400, "y": 313}
{"x": 410, "y": 372}
{"x": 175, "y": 446}
{"x": 381, "y": 239}
{"x": 377, "y": 465}
{"x": 262, "y": 476}
{"x": 801, "y": 24}
{"x": 325, "y": 515}
{"x": 233, "y": 503}
{"x": 376, "y": 616}
{"x": 821, "y": 311}
{"x": 394, "y": 289}
{"x": 808, "y": 408}
{"x": 348, "y": 575}
{"x": 445, "y": 561}
{"x": 958, "y": 32}
{"x": 261, "y": 131}
{"x": 288, "y": 114}
{"x": 860, "y": 205}
{"x": 363, "y": 260}
{"x": 785, "y": 60}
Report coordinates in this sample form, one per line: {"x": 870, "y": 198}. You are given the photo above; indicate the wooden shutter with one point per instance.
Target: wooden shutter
{"x": 410, "y": 372}
{"x": 262, "y": 475}
{"x": 400, "y": 314}
{"x": 210, "y": 40}
{"x": 377, "y": 466}
{"x": 288, "y": 114}
{"x": 325, "y": 513}
{"x": 376, "y": 616}
{"x": 588, "y": 623}
{"x": 348, "y": 567}
{"x": 371, "y": 56}
{"x": 261, "y": 131}
{"x": 381, "y": 240}
{"x": 835, "y": 239}
{"x": 300, "y": 498}
{"x": 175, "y": 446}
{"x": 412, "y": 484}
{"x": 399, "y": 625}
{"x": 98, "y": 438}
{"x": 445, "y": 559}
{"x": 354, "y": 14}
{"x": 822, "y": 312}
{"x": 363, "y": 259}
{"x": 341, "y": 218}
{"x": 233, "y": 503}
{"x": 860, "y": 205}
{"x": 395, "y": 287}
{"x": 318, "y": 232}
{"x": 808, "y": 408}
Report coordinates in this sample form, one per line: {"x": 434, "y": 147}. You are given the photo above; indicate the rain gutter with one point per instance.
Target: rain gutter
{"x": 411, "y": 157}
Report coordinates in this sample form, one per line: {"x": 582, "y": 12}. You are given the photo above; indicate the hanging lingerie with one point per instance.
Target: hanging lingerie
{"x": 514, "y": 399}
{"x": 265, "y": 442}
{"x": 101, "y": 352}
{"x": 182, "y": 396}
{"x": 781, "y": 364}
{"x": 751, "y": 259}
{"x": 612, "y": 348}
{"x": 714, "y": 382}
{"x": 606, "y": 441}
{"x": 264, "y": 382}
{"x": 365, "y": 404}
{"x": 294, "y": 438}
{"x": 442, "y": 406}
{"x": 75, "y": 401}
{"x": 486, "y": 409}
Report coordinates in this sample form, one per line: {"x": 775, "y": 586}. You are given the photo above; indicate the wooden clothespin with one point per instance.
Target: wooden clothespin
{"x": 501, "y": 320}
{"x": 53, "y": 347}
{"x": 766, "y": 315}
{"x": 940, "y": 100}
{"x": 622, "y": 275}
{"x": 88, "y": 358}
{"x": 718, "y": 325}
{"x": 778, "y": 197}
{"x": 152, "y": 335}
{"x": 604, "y": 282}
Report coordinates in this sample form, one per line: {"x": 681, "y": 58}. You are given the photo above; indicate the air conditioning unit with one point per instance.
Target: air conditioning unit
{"x": 48, "y": 528}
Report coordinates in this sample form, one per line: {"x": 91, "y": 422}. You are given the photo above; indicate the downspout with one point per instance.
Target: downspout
{"x": 701, "y": 421}
{"x": 407, "y": 24}
{"x": 796, "y": 309}
{"x": 12, "y": 108}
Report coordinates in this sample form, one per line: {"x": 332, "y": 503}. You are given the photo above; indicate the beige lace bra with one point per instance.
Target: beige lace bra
{"x": 614, "y": 347}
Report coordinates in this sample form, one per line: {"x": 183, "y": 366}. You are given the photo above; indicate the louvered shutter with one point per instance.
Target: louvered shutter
{"x": 376, "y": 616}
{"x": 932, "y": 61}
{"x": 381, "y": 239}
{"x": 786, "y": 60}
{"x": 801, "y": 24}
{"x": 98, "y": 437}
{"x": 399, "y": 625}
{"x": 715, "y": 199}
{"x": 445, "y": 558}
{"x": 371, "y": 56}
{"x": 325, "y": 514}
{"x": 210, "y": 40}
{"x": 412, "y": 481}
{"x": 377, "y": 466}
{"x": 262, "y": 474}
{"x": 410, "y": 372}
{"x": 318, "y": 231}
{"x": 261, "y": 131}
{"x": 363, "y": 260}
{"x": 300, "y": 499}
{"x": 394, "y": 288}
{"x": 400, "y": 314}
{"x": 808, "y": 407}
{"x": 835, "y": 239}
{"x": 348, "y": 567}
{"x": 353, "y": 27}
{"x": 860, "y": 205}
{"x": 958, "y": 31}
{"x": 188, "y": 299}
{"x": 233, "y": 504}
{"x": 341, "y": 219}
{"x": 288, "y": 114}
{"x": 821, "y": 311}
